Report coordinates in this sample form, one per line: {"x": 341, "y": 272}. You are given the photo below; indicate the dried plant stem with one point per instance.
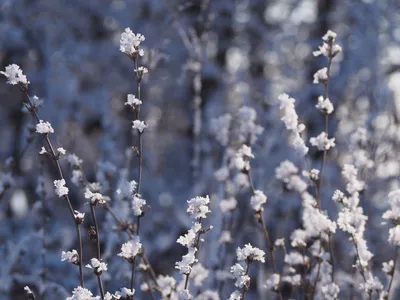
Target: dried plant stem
{"x": 245, "y": 288}
{"x": 396, "y": 254}
{"x": 260, "y": 219}
{"x": 361, "y": 267}
{"x": 98, "y": 250}
{"x": 196, "y": 245}
{"x": 32, "y": 108}
{"x": 146, "y": 278}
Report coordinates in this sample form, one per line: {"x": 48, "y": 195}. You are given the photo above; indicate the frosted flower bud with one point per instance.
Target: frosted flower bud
{"x": 321, "y": 76}
{"x": 324, "y": 105}
{"x": 272, "y": 282}
{"x": 198, "y": 207}
{"x": 79, "y": 217}
{"x": 61, "y": 150}
{"x": 130, "y": 249}
{"x": 43, "y": 151}
{"x": 388, "y": 267}
{"x": 125, "y": 294}
{"x": 14, "y": 75}
{"x": 81, "y": 293}
{"x": 44, "y": 127}
{"x": 139, "y": 125}
{"x": 133, "y": 101}
{"x": 322, "y": 142}
{"x": 257, "y": 200}
{"x": 60, "y": 188}
{"x": 97, "y": 266}
{"x": 394, "y": 235}
{"x": 130, "y": 42}
{"x": 70, "y": 256}
{"x": 250, "y": 253}
{"x": 95, "y": 198}
{"x": 227, "y": 205}
{"x": 137, "y": 204}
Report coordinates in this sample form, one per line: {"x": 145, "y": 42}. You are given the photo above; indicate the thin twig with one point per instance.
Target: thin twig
{"x": 32, "y": 108}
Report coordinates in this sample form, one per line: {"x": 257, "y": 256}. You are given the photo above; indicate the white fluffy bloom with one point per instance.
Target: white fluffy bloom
{"x": 329, "y": 48}
{"x": 61, "y": 150}
{"x": 198, "y": 274}
{"x": 354, "y": 185}
{"x": 81, "y": 293}
{"x": 225, "y": 237}
{"x": 227, "y": 205}
{"x": 74, "y": 160}
{"x": 321, "y": 76}
{"x": 394, "y": 235}
{"x": 189, "y": 238}
{"x": 221, "y": 128}
{"x": 44, "y": 127}
{"x": 95, "y": 198}
{"x": 295, "y": 258}
{"x": 43, "y": 151}
{"x": 14, "y": 75}
{"x": 372, "y": 284}
{"x": 97, "y": 266}
{"x": 79, "y": 216}
{"x": 322, "y": 142}
{"x": 280, "y": 242}
{"x": 285, "y": 170}
{"x": 388, "y": 267}
{"x": 290, "y": 118}
{"x": 330, "y": 291}
{"x": 71, "y": 256}
{"x": 185, "y": 266}
{"x": 141, "y": 70}
{"x": 242, "y": 159}
{"x": 324, "y": 105}
{"x": 137, "y": 204}
{"x": 139, "y": 125}
{"x": 61, "y": 189}
{"x": 394, "y": 201}
{"x": 133, "y": 101}
{"x": 257, "y": 200}
{"x": 236, "y": 295}
{"x": 130, "y": 249}
{"x": 272, "y": 282}
{"x": 289, "y": 115}
{"x": 238, "y": 272}
{"x": 166, "y": 284}
{"x": 198, "y": 207}
{"x": 129, "y": 42}
{"x": 250, "y": 253}
{"x": 124, "y": 293}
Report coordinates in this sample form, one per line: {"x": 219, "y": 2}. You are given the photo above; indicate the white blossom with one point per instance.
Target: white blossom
{"x": 166, "y": 284}
{"x": 124, "y": 293}
{"x": 198, "y": 207}
{"x": 295, "y": 258}
{"x": 199, "y": 274}
{"x": 43, "y": 150}
{"x": 61, "y": 189}
{"x": 133, "y": 101}
{"x": 329, "y": 48}
{"x": 236, "y": 295}
{"x": 81, "y": 293}
{"x": 139, "y": 125}
{"x": 321, "y": 76}
{"x": 354, "y": 185}
{"x": 185, "y": 266}
{"x": 130, "y": 42}
{"x": 322, "y": 142}
{"x": 95, "y": 198}
{"x": 272, "y": 282}
{"x": 394, "y": 202}
{"x": 189, "y": 238}
{"x": 44, "y": 127}
{"x": 394, "y": 235}
{"x": 225, "y": 237}
{"x": 227, "y": 205}
{"x": 79, "y": 216}
{"x": 257, "y": 200}
{"x": 74, "y": 160}
{"x": 97, "y": 266}
{"x": 14, "y": 75}
{"x": 137, "y": 204}
{"x": 242, "y": 159}
{"x": 250, "y": 253}
{"x": 324, "y": 105}
{"x": 61, "y": 150}
{"x": 71, "y": 256}
{"x": 388, "y": 267}
{"x": 372, "y": 284}
{"x": 130, "y": 249}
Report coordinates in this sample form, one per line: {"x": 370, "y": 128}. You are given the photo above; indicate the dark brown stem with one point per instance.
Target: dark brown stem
{"x": 32, "y": 109}
{"x": 98, "y": 247}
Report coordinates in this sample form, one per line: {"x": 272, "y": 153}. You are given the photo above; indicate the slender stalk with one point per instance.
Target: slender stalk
{"x": 196, "y": 245}
{"x": 318, "y": 270}
{"x": 78, "y": 232}
{"x": 32, "y": 108}
{"x": 98, "y": 247}
{"x": 394, "y": 271}
{"x": 245, "y": 288}
{"x": 361, "y": 267}
{"x": 260, "y": 218}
